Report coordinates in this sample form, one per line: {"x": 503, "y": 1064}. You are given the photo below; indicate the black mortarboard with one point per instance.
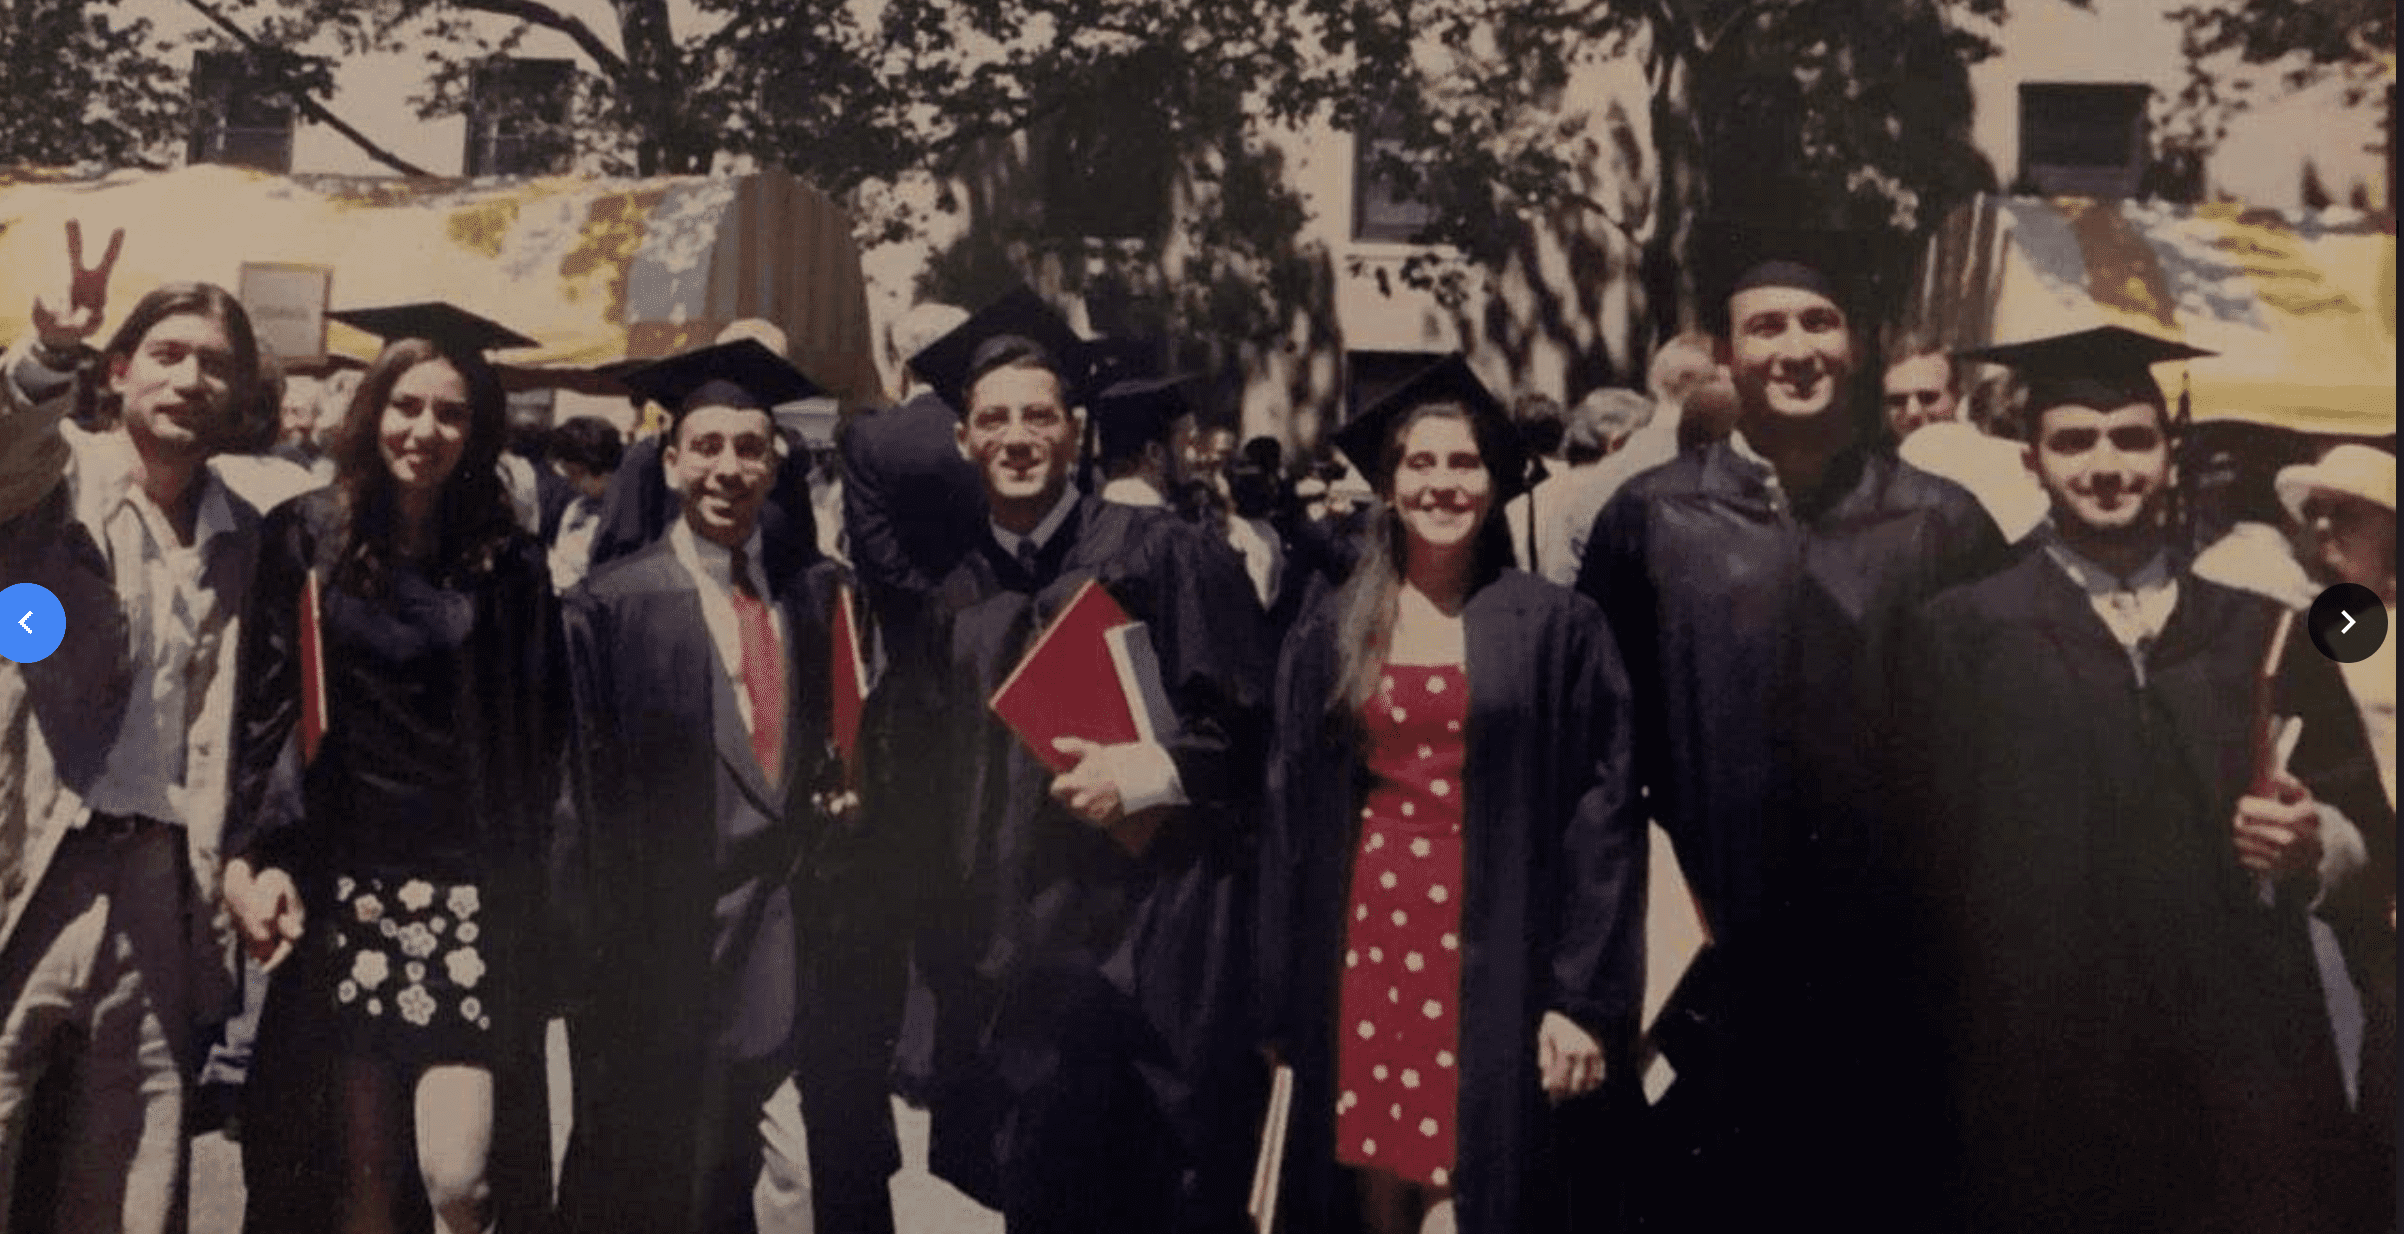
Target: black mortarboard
{"x": 745, "y": 364}
{"x": 1733, "y": 256}
{"x": 446, "y": 325}
{"x": 1449, "y": 380}
{"x": 2104, "y": 367}
{"x": 946, "y": 362}
{"x": 1130, "y": 413}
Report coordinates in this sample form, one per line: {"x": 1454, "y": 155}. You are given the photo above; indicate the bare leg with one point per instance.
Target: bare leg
{"x": 454, "y": 1146}
{"x": 1388, "y": 1204}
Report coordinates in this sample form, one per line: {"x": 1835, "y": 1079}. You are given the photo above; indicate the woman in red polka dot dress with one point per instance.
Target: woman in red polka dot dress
{"x": 1453, "y": 870}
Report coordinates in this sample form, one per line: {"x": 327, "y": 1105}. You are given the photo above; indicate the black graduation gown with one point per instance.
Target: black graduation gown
{"x": 511, "y": 707}
{"x": 911, "y": 505}
{"x": 1553, "y": 897}
{"x": 1759, "y": 639}
{"x": 1081, "y": 992}
{"x": 2138, "y": 1042}
{"x": 661, "y": 914}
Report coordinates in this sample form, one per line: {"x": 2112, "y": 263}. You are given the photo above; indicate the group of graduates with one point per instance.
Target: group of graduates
{"x": 2030, "y": 872}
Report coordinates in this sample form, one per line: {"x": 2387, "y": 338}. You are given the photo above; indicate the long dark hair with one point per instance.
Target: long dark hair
{"x": 1366, "y": 605}
{"x": 208, "y": 300}
{"x": 473, "y": 519}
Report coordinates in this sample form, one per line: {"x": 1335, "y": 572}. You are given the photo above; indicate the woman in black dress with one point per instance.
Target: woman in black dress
{"x": 398, "y": 738}
{"x": 1453, "y": 871}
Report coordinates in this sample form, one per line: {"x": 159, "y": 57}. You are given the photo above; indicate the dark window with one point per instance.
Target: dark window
{"x": 2085, "y": 140}
{"x": 1388, "y": 203}
{"x": 238, "y": 117}
{"x": 517, "y": 118}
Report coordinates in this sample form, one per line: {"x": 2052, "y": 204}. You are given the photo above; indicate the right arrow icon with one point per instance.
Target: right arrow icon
{"x": 2349, "y": 627}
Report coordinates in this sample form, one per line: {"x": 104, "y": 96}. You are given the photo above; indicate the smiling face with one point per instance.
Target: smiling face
{"x": 177, "y": 385}
{"x": 423, "y": 429}
{"x": 1790, "y": 352}
{"x": 720, "y": 464}
{"x": 1021, "y": 438}
{"x": 2107, "y": 472}
{"x": 1442, "y": 489}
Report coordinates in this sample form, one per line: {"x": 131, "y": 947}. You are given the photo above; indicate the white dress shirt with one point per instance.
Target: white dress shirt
{"x": 571, "y": 555}
{"x": 712, "y": 568}
{"x": 1264, "y": 556}
{"x": 175, "y": 635}
{"x": 2134, "y": 608}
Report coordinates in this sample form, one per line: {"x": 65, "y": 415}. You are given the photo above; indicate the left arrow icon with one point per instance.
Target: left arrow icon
{"x": 27, "y": 643}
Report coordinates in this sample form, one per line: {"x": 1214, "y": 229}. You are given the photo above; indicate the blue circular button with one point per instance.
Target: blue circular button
{"x": 32, "y": 623}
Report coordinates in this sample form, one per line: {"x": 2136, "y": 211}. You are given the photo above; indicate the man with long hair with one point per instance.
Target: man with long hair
{"x": 115, "y": 766}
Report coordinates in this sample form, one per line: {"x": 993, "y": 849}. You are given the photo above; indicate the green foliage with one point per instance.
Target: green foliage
{"x": 85, "y": 84}
{"x": 2299, "y": 44}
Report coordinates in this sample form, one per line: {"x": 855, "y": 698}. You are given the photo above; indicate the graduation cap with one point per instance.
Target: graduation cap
{"x": 2104, "y": 367}
{"x": 1733, "y": 257}
{"x": 946, "y": 362}
{"x": 446, "y": 325}
{"x": 741, "y": 372}
{"x": 1449, "y": 380}
{"x": 1130, "y": 413}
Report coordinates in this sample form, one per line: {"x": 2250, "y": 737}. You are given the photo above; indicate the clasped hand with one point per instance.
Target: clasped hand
{"x": 267, "y": 910}
{"x": 2279, "y": 835}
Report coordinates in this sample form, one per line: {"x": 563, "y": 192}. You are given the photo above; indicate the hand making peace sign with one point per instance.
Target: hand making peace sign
{"x": 87, "y": 293}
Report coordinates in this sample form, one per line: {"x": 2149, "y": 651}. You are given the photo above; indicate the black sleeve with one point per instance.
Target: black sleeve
{"x": 1616, "y": 576}
{"x": 869, "y": 520}
{"x": 1216, "y": 661}
{"x": 264, "y": 805}
{"x": 1598, "y": 958}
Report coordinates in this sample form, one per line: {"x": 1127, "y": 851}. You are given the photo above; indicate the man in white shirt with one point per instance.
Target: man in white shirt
{"x": 2133, "y": 885}
{"x": 114, "y": 948}
{"x": 702, "y": 884}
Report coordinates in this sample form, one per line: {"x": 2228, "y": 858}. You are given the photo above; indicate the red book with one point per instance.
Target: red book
{"x": 313, "y": 671}
{"x": 850, "y": 680}
{"x": 1090, "y": 674}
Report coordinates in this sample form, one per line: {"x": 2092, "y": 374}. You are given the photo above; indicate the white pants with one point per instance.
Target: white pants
{"x": 96, "y": 984}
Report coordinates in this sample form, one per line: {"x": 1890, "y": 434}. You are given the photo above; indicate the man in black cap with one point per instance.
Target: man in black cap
{"x": 2130, "y": 862}
{"x": 1132, "y": 422}
{"x": 707, "y": 963}
{"x": 1753, "y": 584}
{"x": 640, "y": 503}
{"x": 1083, "y": 932}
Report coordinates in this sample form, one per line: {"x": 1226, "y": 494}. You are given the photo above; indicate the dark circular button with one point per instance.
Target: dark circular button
{"x": 2348, "y": 623}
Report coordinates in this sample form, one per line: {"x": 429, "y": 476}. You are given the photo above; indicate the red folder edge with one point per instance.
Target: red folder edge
{"x": 313, "y": 671}
{"x": 851, "y": 681}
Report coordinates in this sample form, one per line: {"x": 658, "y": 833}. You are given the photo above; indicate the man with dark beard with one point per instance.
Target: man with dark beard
{"x": 2139, "y": 1035}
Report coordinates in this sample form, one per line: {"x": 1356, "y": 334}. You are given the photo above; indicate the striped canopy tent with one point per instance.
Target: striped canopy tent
{"x": 598, "y": 271}
{"x": 2301, "y": 308}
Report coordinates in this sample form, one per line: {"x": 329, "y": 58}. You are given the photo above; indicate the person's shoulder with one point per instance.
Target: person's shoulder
{"x": 1909, "y": 486}
{"x": 1679, "y": 476}
{"x": 646, "y": 571}
{"x": 2004, "y": 597}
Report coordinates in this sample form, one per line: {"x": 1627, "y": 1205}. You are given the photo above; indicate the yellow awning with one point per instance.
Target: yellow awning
{"x": 596, "y": 270}
{"x": 2301, "y": 309}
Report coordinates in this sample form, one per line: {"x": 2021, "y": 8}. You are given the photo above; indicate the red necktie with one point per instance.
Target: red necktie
{"x": 763, "y": 672}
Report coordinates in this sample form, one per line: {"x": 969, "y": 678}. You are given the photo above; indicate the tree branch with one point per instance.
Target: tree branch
{"x": 537, "y": 13}
{"x": 308, "y": 103}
